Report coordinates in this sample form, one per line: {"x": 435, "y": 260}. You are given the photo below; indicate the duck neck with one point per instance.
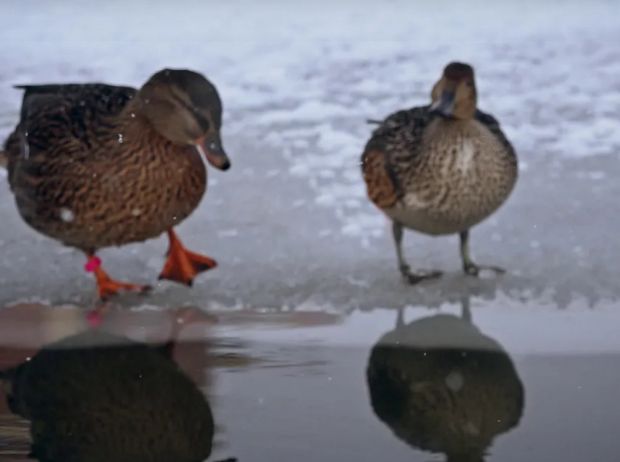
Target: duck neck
{"x": 453, "y": 121}
{"x": 133, "y": 124}
{"x": 443, "y": 128}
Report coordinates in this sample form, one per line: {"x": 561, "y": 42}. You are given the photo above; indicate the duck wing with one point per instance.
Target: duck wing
{"x": 393, "y": 145}
{"x": 493, "y": 125}
{"x": 106, "y": 100}
{"x": 62, "y": 122}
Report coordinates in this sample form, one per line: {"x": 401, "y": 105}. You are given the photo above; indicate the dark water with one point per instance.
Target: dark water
{"x": 440, "y": 389}
{"x": 262, "y": 386}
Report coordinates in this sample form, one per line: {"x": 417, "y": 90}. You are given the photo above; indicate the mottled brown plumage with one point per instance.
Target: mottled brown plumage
{"x": 97, "y": 165}
{"x": 442, "y": 168}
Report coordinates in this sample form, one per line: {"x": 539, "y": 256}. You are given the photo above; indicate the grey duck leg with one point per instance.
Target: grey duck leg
{"x": 409, "y": 276}
{"x": 469, "y": 266}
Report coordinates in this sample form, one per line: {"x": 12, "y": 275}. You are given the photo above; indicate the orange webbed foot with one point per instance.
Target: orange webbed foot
{"x": 108, "y": 287}
{"x": 183, "y": 265}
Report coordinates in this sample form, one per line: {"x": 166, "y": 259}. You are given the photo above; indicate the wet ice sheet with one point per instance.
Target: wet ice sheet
{"x": 295, "y": 383}
{"x": 318, "y": 399}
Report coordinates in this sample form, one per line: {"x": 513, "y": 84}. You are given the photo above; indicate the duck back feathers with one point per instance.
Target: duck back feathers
{"x": 393, "y": 144}
{"x": 70, "y": 116}
{"x": 400, "y": 134}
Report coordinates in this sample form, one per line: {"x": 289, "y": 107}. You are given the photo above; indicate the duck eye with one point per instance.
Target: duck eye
{"x": 213, "y": 146}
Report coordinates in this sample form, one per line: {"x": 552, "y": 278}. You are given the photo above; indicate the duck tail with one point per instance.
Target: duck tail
{"x": 4, "y": 159}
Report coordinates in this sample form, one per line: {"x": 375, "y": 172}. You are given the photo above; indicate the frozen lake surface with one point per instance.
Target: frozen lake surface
{"x": 293, "y": 231}
{"x": 290, "y": 223}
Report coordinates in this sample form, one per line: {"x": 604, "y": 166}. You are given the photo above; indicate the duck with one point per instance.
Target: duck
{"x": 442, "y": 386}
{"x": 440, "y": 169}
{"x": 94, "y": 165}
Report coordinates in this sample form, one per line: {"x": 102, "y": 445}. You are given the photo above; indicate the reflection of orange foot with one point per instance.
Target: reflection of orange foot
{"x": 108, "y": 287}
{"x": 94, "y": 318}
{"x": 182, "y": 265}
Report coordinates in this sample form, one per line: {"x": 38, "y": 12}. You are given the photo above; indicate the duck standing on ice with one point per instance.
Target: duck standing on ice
{"x": 95, "y": 165}
{"x": 440, "y": 169}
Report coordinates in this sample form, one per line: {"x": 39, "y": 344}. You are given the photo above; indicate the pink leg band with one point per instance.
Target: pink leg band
{"x": 92, "y": 264}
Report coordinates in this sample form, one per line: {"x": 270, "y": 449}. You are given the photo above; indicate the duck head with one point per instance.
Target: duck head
{"x": 454, "y": 95}
{"x": 185, "y": 108}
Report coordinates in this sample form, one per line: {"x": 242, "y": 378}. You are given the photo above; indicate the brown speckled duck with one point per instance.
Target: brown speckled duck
{"x": 440, "y": 169}
{"x": 96, "y": 165}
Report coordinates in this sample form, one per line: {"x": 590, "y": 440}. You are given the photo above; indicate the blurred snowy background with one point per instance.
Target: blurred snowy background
{"x": 290, "y": 224}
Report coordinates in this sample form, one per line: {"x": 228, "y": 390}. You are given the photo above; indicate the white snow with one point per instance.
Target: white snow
{"x": 308, "y": 111}
{"x": 66, "y": 214}
{"x": 228, "y": 233}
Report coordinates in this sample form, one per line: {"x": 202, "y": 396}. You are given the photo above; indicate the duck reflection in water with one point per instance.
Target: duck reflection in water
{"x": 443, "y": 386}
{"x": 96, "y": 397}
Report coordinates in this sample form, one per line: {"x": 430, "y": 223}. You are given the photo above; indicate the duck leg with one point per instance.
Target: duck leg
{"x": 409, "y": 276}
{"x": 182, "y": 265}
{"x": 106, "y": 286}
{"x": 469, "y": 266}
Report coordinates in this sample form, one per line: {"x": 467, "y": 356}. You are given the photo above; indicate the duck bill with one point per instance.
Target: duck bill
{"x": 211, "y": 148}
{"x": 444, "y": 105}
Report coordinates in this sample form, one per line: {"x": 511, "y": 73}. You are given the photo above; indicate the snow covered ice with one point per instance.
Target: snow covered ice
{"x": 290, "y": 224}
